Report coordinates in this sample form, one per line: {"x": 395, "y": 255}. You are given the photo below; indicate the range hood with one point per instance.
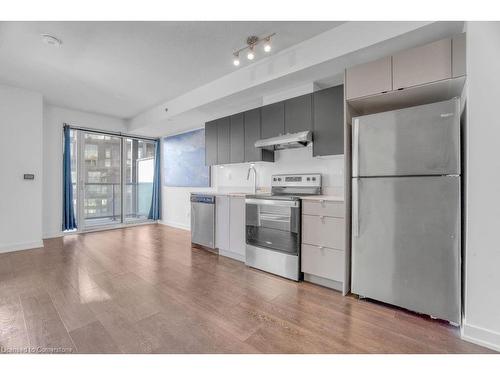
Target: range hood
{"x": 295, "y": 140}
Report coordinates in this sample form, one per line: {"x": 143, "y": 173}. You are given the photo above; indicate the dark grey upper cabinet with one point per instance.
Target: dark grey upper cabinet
{"x": 224, "y": 140}
{"x": 273, "y": 120}
{"x": 328, "y": 121}
{"x": 211, "y": 143}
{"x": 237, "y": 147}
{"x": 298, "y": 114}
{"x": 253, "y": 134}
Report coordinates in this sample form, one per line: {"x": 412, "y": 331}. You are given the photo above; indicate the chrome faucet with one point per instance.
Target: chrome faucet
{"x": 252, "y": 168}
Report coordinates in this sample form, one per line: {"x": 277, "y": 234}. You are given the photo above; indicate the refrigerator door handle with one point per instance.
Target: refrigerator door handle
{"x": 355, "y": 207}
{"x": 355, "y": 148}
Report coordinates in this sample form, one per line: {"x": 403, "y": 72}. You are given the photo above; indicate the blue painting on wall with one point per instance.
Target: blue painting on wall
{"x": 184, "y": 157}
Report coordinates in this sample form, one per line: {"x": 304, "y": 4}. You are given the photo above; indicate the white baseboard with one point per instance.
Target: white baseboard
{"x": 175, "y": 224}
{"x": 481, "y": 336}
{"x": 20, "y": 246}
{"x": 232, "y": 255}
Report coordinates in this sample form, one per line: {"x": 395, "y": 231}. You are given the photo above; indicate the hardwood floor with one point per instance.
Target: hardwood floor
{"x": 145, "y": 290}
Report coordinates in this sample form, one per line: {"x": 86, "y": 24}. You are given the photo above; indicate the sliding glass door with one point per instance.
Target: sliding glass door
{"x": 112, "y": 178}
{"x": 138, "y": 178}
{"x": 100, "y": 180}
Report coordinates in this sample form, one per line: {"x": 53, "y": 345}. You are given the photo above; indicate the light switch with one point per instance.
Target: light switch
{"x": 29, "y": 176}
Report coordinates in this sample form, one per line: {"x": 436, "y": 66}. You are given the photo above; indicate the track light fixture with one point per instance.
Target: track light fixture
{"x": 252, "y": 42}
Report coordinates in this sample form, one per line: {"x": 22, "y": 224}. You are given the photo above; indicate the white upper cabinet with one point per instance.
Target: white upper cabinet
{"x": 421, "y": 65}
{"x": 371, "y": 78}
{"x": 434, "y": 63}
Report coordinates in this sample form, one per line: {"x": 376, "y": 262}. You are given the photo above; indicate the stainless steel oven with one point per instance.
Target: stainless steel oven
{"x": 273, "y": 224}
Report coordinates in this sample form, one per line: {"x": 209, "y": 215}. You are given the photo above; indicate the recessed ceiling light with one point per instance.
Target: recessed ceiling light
{"x": 51, "y": 40}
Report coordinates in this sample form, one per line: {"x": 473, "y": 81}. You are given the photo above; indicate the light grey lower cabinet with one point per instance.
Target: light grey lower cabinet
{"x": 237, "y": 228}
{"x": 323, "y": 258}
{"x": 323, "y": 231}
{"x": 230, "y": 227}
{"x": 323, "y": 262}
{"x": 324, "y": 208}
{"x": 222, "y": 222}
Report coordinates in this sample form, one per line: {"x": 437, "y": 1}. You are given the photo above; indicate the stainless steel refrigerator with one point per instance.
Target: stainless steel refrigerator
{"x": 406, "y": 220}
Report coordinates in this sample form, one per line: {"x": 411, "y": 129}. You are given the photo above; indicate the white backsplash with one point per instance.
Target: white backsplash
{"x": 233, "y": 177}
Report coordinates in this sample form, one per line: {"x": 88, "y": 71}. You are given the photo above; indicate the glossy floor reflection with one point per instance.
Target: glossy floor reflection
{"x": 145, "y": 290}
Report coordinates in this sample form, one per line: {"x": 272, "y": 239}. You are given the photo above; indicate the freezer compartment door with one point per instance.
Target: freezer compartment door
{"x": 406, "y": 243}
{"x": 422, "y": 140}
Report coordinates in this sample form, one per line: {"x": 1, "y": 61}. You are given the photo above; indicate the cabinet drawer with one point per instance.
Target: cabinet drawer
{"x": 421, "y": 65}
{"x": 323, "y": 262}
{"x": 323, "y": 208}
{"x": 323, "y": 231}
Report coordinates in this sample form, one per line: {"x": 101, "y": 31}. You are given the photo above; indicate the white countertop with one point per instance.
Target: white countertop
{"x": 221, "y": 194}
{"x": 332, "y": 198}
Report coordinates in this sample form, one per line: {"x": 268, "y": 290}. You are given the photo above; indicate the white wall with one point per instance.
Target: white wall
{"x": 482, "y": 276}
{"x": 232, "y": 178}
{"x": 53, "y": 121}
{"x": 20, "y": 153}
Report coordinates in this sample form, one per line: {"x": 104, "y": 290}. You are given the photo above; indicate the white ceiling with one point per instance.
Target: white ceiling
{"x": 122, "y": 68}
{"x": 308, "y": 62}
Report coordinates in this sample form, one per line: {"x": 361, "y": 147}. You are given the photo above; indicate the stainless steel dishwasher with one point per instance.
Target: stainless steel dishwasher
{"x": 203, "y": 220}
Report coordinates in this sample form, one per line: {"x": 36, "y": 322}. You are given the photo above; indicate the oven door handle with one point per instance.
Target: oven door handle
{"x": 272, "y": 202}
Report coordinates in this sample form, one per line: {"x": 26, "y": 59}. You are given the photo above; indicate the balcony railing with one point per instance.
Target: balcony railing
{"x": 137, "y": 201}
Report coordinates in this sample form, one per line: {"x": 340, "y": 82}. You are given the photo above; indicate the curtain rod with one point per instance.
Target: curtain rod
{"x": 120, "y": 134}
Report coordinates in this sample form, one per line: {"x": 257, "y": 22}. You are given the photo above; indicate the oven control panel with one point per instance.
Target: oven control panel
{"x": 297, "y": 180}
